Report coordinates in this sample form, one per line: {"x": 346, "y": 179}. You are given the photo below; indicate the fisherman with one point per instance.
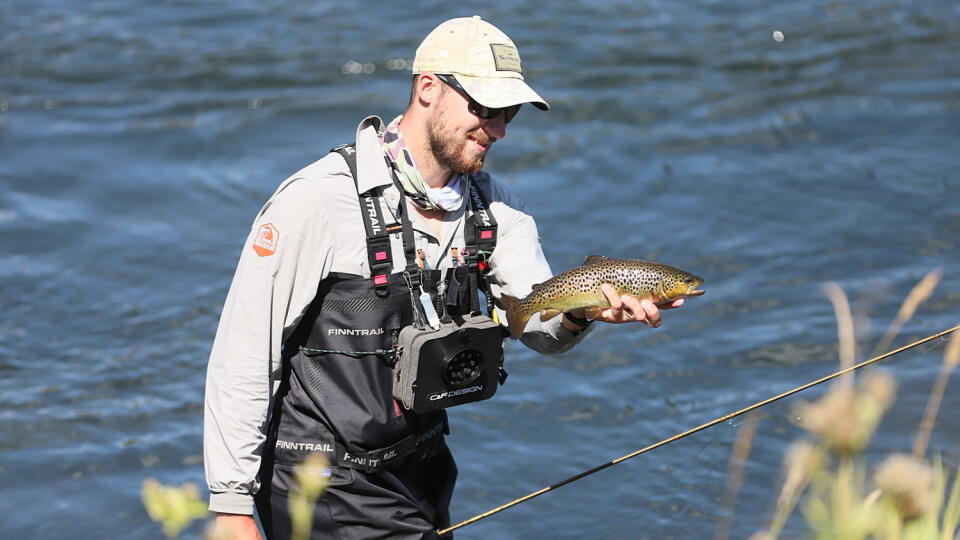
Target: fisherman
{"x": 326, "y": 268}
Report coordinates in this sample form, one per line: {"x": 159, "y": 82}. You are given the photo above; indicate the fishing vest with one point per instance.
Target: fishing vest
{"x": 336, "y": 392}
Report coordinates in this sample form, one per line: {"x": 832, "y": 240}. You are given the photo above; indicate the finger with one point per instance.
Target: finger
{"x": 675, "y": 304}
{"x": 652, "y": 313}
{"x": 633, "y": 308}
{"x": 612, "y": 298}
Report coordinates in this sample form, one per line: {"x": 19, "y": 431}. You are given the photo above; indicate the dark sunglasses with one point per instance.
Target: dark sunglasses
{"x": 487, "y": 113}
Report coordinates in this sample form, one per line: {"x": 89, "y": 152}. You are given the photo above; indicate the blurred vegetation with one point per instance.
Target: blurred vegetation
{"x": 176, "y": 508}
{"x": 312, "y": 477}
{"x": 826, "y": 476}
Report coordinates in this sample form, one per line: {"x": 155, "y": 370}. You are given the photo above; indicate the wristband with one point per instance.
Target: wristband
{"x": 582, "y": 323}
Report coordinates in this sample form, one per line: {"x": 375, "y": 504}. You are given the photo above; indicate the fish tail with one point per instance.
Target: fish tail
{"x": 516, "y": 318}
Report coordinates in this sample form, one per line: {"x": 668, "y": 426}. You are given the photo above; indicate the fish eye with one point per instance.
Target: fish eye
{"x": 688, "y": 279}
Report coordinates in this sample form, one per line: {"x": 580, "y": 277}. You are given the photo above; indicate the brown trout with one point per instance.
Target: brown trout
{"x": 580, "y": 288}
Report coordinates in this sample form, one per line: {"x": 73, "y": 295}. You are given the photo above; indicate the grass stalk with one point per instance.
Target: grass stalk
{"x": 918, "y": 295}
{"x": 735, "y": 468}
{"x": 803, "y": 462}
{"x": 950, "y": 360}
{"x": 845, "y": 332}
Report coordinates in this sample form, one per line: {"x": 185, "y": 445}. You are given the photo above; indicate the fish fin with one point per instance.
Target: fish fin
{"x": 594, "y": 259}
{"x": 548, "y": 314}
{"x": 535, "y": 286}
{"x": 593, "y": 312}
{"x": 516, "y": 320}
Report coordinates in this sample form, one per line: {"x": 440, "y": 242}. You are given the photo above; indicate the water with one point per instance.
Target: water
{"x": 138, "y": 140}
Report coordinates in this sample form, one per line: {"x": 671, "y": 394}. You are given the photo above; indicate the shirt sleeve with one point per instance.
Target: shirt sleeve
{"x": 517, "y": 264}
{"x": 273, "y": 269}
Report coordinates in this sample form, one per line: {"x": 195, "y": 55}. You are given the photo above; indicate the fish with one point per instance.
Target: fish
{"x": 580, "y": 288}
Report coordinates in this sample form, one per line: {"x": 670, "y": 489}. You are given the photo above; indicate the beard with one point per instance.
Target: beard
{"x": 450, "y": 151}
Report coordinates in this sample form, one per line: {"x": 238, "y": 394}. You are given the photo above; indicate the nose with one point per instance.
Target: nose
{"x": 496, "y": 127}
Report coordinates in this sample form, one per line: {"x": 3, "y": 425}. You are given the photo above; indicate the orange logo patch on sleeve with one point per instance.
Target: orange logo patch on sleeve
{"x": 265, "y": 244}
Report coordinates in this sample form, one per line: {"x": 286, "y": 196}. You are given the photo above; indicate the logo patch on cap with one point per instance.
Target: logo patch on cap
{"x": 265, "y": 244}
{"x": 505, "y": 57}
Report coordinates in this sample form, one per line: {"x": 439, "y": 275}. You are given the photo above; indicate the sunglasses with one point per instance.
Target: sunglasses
{"x": 487, "y": 113}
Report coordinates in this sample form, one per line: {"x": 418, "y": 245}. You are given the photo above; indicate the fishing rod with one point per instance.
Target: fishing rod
{"x": 689, "y": 432}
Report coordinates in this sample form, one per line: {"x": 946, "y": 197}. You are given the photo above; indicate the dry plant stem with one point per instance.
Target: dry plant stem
{"x": 848, "y": 347}
{"x": 920, "y": 293}
{"x": 738, "y": 458}
{"x": 950, "y": 360}
{"x": 787, "y": 501}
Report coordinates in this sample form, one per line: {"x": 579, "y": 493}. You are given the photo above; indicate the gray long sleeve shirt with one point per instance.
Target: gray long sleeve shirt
{"x": 310, "y": 229}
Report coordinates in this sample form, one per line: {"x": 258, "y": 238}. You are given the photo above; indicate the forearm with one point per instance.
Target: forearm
{"x": 555, "y": 336}
{"x": 235, "y": 414}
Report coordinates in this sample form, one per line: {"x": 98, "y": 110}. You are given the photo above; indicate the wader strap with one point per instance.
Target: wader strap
{"x": 480, "y": 235}
{"x": 379, "y": 256}
{"x": 409, "y": 244}
{"x": 377, "y": 459}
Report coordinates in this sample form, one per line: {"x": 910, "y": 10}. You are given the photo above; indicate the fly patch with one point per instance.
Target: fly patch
{"x": 505, "y": 57}
{"x": 355, "y": 306}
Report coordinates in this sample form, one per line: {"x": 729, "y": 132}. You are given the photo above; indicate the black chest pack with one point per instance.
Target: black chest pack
{"x": 452, "y": 353}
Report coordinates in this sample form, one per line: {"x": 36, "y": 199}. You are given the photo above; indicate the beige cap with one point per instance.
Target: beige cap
{"x": 484, "y": 60}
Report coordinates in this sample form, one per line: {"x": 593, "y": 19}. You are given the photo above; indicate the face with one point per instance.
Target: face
{"x": 459, "y": 139}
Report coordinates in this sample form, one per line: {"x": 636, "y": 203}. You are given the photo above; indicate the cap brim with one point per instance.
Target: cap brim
{"x": 498, "y": 92}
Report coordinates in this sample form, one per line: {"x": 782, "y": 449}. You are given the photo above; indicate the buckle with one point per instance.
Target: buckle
{"x": 380, "y": 259}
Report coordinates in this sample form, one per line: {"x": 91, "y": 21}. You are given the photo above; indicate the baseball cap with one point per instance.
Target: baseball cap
{"x": 482, "y": 59}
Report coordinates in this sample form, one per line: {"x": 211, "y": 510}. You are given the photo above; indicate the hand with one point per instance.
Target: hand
{"x": 235, "y": 527}
{"x": 628, "y": 308}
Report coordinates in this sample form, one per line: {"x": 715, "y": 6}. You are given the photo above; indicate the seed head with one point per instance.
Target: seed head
{"x": 846, "y": 418}
{"x": 908, "y": 482}
{"x": 881, "y": 387}
{"x": 833, "y": 418}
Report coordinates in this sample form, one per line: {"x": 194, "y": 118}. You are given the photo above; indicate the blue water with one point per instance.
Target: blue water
{"x": 138, "y": 140}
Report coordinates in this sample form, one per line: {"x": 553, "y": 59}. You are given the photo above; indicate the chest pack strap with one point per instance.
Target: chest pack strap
{"x": 379, "y": 254}
{"x": 377, "y": 459}
{"x": 480, "y": 235}
{"x": 409, "y": 244}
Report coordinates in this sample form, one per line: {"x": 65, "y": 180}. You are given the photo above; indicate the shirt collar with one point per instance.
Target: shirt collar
{"x": 371, "y": 164}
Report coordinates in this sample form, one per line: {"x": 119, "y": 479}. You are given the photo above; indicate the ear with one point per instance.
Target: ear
{"x": 429, "y": 88}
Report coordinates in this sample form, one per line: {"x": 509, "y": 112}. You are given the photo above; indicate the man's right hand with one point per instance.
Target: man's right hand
{"x": 236, "y": 527}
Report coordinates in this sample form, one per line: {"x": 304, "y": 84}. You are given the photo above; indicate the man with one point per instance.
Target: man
{"x": 297, "y": 364}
